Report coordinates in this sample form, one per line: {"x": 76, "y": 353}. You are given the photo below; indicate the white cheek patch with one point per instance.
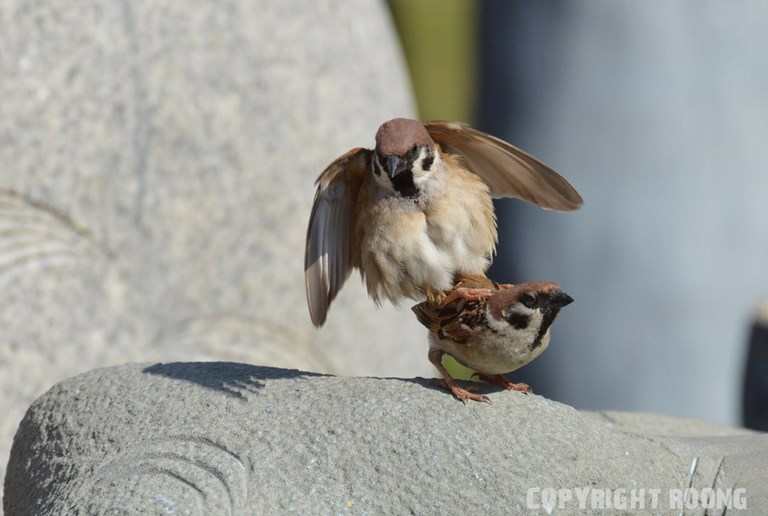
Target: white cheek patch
{"x": 381, "y": 177}
{"x": 528, "y": 333}
{"x": 421, "y": 176}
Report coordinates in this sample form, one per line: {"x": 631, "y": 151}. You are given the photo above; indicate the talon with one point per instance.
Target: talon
{"x": 464, "y": 395}
{"x": 435, "y": 297}
{"x": 501, "y": 381}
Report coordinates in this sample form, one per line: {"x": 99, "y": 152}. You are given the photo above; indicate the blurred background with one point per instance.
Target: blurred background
{"x": 158, "y": 158}
{"x": 658, "y": 114}
{"x": 149, "y": 212}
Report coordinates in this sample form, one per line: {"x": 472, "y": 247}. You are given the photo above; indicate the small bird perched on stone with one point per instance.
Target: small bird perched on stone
{"x": 414, "y": 215}
{"x": 498, "y": 333}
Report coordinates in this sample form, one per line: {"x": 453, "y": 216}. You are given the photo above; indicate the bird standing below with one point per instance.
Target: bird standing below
{"x": 498, "y": 333}
{"x": 415, "y": 215}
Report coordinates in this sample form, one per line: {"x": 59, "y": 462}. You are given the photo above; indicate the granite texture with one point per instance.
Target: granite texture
{"x": 228, "y": 438}
{"x": 158, "y": 160}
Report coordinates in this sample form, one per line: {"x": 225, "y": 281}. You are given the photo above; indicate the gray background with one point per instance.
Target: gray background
{"x": 658, "y": 113}
{"x": 158, "y": 160}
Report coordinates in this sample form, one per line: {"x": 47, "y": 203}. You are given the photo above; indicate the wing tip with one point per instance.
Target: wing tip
{"x": 318, "y": 313}
{"x": 575, "y": 199}
{"x": 317, "y": 298}
{"x": 318, "y": 320}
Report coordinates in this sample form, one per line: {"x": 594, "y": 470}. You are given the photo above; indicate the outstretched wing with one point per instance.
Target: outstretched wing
{"x": 508, "y": 171}
{"x": 328, "y": 253}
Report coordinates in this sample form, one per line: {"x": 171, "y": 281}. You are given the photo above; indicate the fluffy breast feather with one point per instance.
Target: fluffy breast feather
{"x": 406, "y": 245}
{"x": 462, "y": 219}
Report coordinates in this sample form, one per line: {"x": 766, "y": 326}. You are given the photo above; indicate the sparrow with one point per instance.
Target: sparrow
{"x": 414, "y": 215}
{"x": 497, "y": 333}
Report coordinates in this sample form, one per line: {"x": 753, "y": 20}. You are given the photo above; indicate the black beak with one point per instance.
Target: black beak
{"x": 560, "y": 299}
{"x": 395, "y": 165}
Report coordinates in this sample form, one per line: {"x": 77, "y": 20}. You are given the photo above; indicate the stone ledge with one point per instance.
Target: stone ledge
{"x": 228, "y": 438}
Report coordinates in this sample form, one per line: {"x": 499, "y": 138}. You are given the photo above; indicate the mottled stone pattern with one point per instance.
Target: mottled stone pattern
{"x": 156, "y": 180}
{"x": 228, "y": 438}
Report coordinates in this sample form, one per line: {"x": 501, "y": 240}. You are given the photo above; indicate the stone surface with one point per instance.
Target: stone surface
{"x": 156, "y": 181}
{"x": 227, "y": 438}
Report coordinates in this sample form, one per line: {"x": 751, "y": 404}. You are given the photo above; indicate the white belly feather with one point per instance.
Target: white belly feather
{"x": 408, "y": 245}
{"x": 499, "y": 352}
{"x": 407, "y": 257}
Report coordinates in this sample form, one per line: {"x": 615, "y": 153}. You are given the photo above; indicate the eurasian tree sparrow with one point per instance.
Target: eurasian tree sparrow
{"x": 414, "y": 215}
{"x": 496, "y": 334}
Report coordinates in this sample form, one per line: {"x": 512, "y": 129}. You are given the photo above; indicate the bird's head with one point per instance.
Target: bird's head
{"x": 527, "y": 308}
{"x": 405, "y": 156}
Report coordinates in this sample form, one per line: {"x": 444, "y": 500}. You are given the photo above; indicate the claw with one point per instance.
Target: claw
{"x": 435, "y": 297}
{"x": 464, "y": 395}
{"x": 501, "y": 381}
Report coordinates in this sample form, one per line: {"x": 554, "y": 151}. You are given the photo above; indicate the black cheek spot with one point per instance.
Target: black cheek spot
{"x": 518, "y": 321}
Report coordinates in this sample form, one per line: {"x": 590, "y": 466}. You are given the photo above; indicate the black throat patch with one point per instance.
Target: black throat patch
{"x": 546, "y": 322}
{"x": 403, "y": 183}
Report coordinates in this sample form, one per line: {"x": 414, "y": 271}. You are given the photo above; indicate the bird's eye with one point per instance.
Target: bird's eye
{"x": 528, "y": 300}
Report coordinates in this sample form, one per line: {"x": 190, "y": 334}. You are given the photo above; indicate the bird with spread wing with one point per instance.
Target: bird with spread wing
{"x": 414, "y": 215}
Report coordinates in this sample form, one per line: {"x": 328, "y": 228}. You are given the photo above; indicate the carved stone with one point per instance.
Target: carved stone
{"x": 224, "y": 438}
{"x": 158, "y": 160}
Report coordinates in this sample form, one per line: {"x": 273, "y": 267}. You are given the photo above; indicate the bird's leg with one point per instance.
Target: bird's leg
{"x": 500, "y": 380}
{"x": 436, "y": 357}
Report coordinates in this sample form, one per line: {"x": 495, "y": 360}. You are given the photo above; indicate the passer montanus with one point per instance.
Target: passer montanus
{"x": 495, "y": 334}
{"x": 414, "y": 215}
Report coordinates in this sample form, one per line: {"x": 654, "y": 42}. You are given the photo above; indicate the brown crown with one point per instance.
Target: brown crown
{"x": 505, "y": 297}
{"x": 397, "y": 136}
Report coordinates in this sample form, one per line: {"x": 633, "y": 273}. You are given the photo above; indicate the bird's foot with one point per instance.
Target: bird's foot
{"x": 462, "y": 394}
{"x": 435, "y": 297}
{"x": 467, "y": 294}
{"x": 436, "y": 357}
{"x": 501, "y": 381}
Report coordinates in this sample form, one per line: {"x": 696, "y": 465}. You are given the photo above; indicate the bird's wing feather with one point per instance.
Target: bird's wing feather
{"x": 508, "y": 171}
{"x": 328, "y": 252}
{"x": 446, "y": 320}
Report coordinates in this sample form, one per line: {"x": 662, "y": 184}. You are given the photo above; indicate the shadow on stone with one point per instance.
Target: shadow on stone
{"x": 159, "y": 439}
{"x": 436, "y": 384}
{"x": 230, "y": 378}
{"x": 234, "y": 379}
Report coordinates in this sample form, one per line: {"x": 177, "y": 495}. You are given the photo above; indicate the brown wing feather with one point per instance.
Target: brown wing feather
{"x": 509, "y": 171}
{"x": 328, "y": 253}
{"x": 446, "y": 321}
